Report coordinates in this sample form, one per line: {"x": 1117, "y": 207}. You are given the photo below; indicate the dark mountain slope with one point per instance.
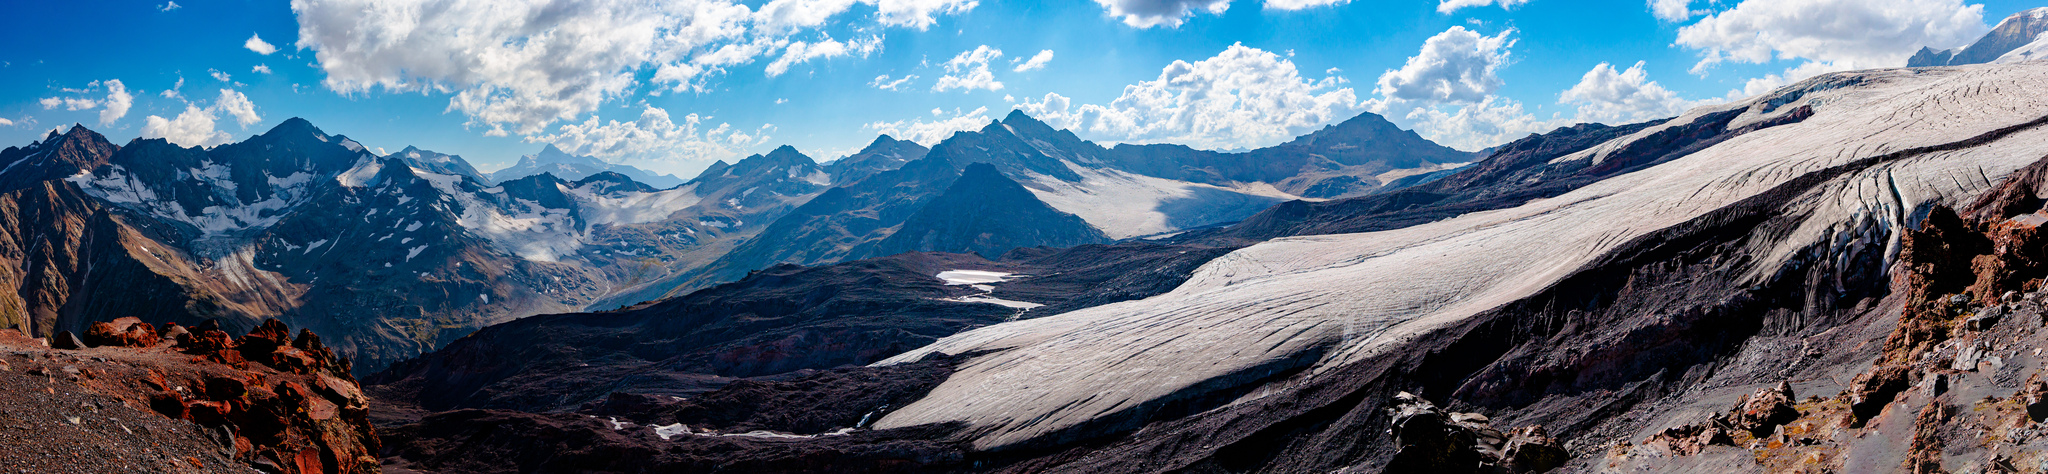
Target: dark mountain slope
{"x": 984, "y": 213}
{"x": 884, "y": 154}
{"x": 54, "y": 157}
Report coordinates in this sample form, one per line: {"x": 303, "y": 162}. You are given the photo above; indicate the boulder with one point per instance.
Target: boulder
{"x": 1762, "y": 412}
{"x": 123, "y": 332}
{"x": 67, "y": 341}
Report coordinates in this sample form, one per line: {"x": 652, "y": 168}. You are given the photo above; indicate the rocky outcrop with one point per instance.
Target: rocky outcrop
{"x": 201, "y": 401}
{"x": 1428, "y": 439}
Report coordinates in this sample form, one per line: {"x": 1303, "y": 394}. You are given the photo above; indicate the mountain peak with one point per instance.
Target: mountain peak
{"x": 1018, "y": 115}
{"x": 293, "y": 125}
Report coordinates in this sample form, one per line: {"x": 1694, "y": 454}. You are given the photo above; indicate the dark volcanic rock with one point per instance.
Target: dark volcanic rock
{"x": 496, "y": 441}
{"x": 776, "y": 321}
{"x": 1428, "y": 439}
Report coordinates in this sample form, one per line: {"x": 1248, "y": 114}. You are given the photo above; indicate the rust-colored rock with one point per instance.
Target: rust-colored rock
{"x": 1871, "y": 391}
{"x": 1691, "y": 439}
{"x": 1762, "y": 412}
{"x": 124, "y": 332}
{"x": 292, "y": 412}
{"x": 2034, "y": 394}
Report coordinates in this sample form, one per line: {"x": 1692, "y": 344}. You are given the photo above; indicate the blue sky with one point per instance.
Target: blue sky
{"x": 493, "y": 80}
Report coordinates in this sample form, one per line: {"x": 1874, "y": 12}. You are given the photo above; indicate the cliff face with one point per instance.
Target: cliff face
{"x": 128, "y": 398}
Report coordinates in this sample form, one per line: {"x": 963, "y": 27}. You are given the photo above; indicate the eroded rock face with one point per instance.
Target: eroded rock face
{"x": 1430, "y": 439}
{"x": 281, "y": 408}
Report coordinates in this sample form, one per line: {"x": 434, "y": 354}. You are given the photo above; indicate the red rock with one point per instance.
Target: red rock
{"x": 1762, "y": 412}
{"x": 124, "y": 332}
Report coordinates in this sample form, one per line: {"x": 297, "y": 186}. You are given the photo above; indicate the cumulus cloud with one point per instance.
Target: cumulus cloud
{"x": 195, "y": 126}
{"x": 654, "y": 138}
{"x": 522, "y": 65}
{"x": 256, "y": 43}
{"x": 1243, "y": 97}
{"x": 1302, "y": 4}
{"x": 118, "y": 102}
{"x": 969, "y": 71}
{"x": 1847, "y": 33}
{"x": 931, "y": 132}
{"x": 1457, "y": 65}
{"x": 6, "y": 123}
{"x": 220, "y": 76}
{"x": 1626, "y": 96}
{"x": 1168, "y": 13}
{"x": 112, "y": 107}
{"x": 168, "y": 6}
{"x": 1672, "y": 10}
{"x": 884, "y": 83}
{"x": 1037, "y": 61}
{"x": 261, "y": 69}
{"x": 800, "y": 52}
{"x": 238, "y": 106}
{"x": 1448, "y": 6}
{"x": 1490, "y": 122}
{"x": 918, "y": 14}
{"x": 1446, "y": 92}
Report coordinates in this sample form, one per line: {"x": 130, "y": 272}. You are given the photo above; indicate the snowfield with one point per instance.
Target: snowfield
{"x": 1318, "y": 302}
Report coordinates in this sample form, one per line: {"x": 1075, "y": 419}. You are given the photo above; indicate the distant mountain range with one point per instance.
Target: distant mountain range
{"x": 2020, "y": 37}
{"x": 563, "y": 165}
{"x": 393, "y": 255}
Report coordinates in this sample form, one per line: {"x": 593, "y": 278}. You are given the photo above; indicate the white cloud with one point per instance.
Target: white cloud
{"x": 1037, "y": 61}
{"x": 220, "y": 76}
{"x": 523, "y": 65}
{"x": 1672, "y": 10}
{"x": 1770, "y": 82}
{"x": 168, "y": 6}
{"x": 800, "y": 52}
{"x": 113, "y": 107}
{"x": 882, "y": 82}
{"x": 1169, "y": 13}
{"x": 654, "y": 138}
{"x": 931, "y": 133}
{"x": 1847, "y": 33}
{"x": 1242, "y": 98}
{"x": 1609, "y": 96}
{"x": 1302, "y": 4}
{"x": 118, "y": 102}
{"x": 969, "y": 71}
{"x": 172, "y": 93}
{"x": 918, "y": 14}
{"x": 1489, "y": 122}
{"x": 6, "y": 123}
{"x": 1446, "y": 92}
{"x": 1448, "y": 6}
{"x": 237, "y": 105}
{"x": 194, "y": 127}
{"x": 1457, "y": 65}
{"x": 256, "y": 43}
